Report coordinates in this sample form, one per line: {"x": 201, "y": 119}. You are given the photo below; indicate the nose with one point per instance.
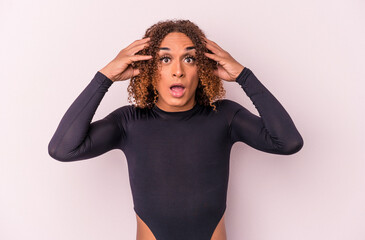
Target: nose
{"x": 177, "y": 70}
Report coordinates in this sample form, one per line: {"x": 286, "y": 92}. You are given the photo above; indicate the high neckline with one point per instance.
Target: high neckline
{"x": 176, "y": 115}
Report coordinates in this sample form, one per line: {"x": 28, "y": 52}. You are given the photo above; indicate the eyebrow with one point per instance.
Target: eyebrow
{"x": 186, "y": 49}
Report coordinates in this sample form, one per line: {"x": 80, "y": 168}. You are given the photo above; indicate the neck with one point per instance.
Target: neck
{"x": 172, "y": 108}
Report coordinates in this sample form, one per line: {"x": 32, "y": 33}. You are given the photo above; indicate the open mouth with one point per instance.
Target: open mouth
{"x": 177, "y": 90}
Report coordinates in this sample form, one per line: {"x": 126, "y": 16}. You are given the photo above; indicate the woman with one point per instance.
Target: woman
{"x": 178, "y": 136}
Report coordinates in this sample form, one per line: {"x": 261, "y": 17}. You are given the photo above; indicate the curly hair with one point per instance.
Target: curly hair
{"x": 143, "y": 86}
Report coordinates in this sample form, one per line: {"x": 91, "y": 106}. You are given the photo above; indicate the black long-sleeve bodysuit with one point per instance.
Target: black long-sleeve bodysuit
{"x": 178, "y": 162}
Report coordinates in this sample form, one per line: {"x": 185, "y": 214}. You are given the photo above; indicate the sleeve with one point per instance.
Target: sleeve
{"x": 75, "y": 138}
{"x": 272, "y": 132}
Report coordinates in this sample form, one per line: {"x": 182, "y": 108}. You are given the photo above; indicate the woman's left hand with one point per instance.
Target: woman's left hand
{"x": 228, "y": 67}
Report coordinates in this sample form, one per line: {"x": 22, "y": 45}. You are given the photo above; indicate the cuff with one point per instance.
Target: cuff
{"x": 102, "y": 79}
{"x": 241, "y": 79}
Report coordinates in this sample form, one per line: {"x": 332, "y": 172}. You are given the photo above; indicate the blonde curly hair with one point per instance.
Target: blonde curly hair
{"x": 143, "y": 86}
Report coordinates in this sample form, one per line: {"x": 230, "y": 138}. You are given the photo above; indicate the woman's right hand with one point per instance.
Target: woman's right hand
{"x": 120, "y": 67}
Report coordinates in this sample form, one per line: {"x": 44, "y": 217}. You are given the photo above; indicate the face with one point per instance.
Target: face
{"x": 177, "y": 66}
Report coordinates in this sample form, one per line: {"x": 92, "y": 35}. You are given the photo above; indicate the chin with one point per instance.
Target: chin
{"x": 177, "y": 102}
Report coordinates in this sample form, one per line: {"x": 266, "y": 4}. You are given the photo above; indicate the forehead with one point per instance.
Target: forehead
{"x": 176, "y": 41}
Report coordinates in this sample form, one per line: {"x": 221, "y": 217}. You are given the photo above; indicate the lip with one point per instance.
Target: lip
{"x": 173, "y": 95}
{"x": 177, "y": 84}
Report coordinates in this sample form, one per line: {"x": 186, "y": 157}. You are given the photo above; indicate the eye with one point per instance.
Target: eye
{"x": 163, "y": 58}
{"x": 192, "y": 59}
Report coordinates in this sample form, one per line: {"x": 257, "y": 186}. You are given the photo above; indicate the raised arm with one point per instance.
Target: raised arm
{"x": 272, "y": 132}
{"x": 77, "y": 139}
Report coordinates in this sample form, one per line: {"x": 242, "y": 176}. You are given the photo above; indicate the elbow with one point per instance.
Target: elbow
{"x": 55, "y": 154}
{"x": 293, "y": 146}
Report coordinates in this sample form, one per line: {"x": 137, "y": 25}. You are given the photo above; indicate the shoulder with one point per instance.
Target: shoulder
{"x": 130, "y": 112}
{"x": 124, "y": 110}
{"x": 227, "y": 108}
{"x": 227, "y": 105}
{"x": 123, "y": 114}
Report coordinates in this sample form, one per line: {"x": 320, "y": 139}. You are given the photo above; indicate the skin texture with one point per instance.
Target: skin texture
{"x": 139, "y": 62}
{"x": 228, "y": 68}
{"x": 144, "y": 233}
{"x": 142, "y": 88}
{"x": 177, "y": 66}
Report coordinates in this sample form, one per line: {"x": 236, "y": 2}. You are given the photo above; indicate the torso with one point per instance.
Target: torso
{"x": 178, "y": 165}
{"x": 178, "y": 162}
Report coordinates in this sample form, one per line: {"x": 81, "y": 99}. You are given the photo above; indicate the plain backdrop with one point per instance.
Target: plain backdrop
{"x": 309, "y": 54}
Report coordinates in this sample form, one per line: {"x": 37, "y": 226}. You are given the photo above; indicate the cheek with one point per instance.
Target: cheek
{"x": 162, "y": 84}
{"x": 195, "y": 86}
{"x": 195, "y": 81}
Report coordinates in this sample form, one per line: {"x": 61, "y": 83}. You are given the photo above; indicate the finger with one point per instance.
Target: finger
{"x": 212, "y": 48}
{"x": 215, "y": 49}
{"x": 137, "y": 45}
{"x": 131, "y": 71}
{"x": 136, "y": 72}
{"x": 135, "y": 58}
{"x": 138, "y": 42}
{"x": 214, "y": 44}
{"x": 206, "y": 39}
{"x": 137, "y": 48}
{"x": 215, "y": 71}
{"x": 213, "y": 56}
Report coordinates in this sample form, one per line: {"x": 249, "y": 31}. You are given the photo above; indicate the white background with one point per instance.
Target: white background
{"x": 309, "y": 54}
